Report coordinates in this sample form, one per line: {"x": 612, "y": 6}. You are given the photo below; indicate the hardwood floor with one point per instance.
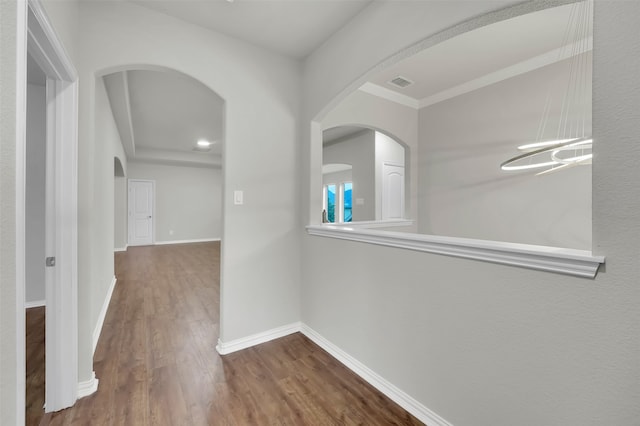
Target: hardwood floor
{"x": 35, "y": 357}
{"x": 157, "y": 364}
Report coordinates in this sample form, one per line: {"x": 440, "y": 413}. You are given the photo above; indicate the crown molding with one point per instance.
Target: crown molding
{"x": 517, "y": 69}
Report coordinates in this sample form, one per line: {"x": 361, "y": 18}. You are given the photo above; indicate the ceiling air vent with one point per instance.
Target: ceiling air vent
{"x": 400, "y": 82}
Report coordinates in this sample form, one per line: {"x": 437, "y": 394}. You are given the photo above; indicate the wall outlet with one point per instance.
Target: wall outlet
{"x": 359, "y": 201}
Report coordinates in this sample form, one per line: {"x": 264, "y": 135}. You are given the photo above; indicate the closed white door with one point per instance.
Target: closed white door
{"x": 141, "y": 193}
{"x": 392, "y": 192}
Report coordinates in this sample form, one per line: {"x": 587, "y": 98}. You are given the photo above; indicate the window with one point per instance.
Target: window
{"x": 329, "y": 207}
{"x": 337, "y": 204}
{"x": 347, "y": 191}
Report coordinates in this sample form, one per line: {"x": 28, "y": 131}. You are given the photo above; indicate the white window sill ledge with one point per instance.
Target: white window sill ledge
{"x": 580, "y": 263}
{"x": 369, "y": 224}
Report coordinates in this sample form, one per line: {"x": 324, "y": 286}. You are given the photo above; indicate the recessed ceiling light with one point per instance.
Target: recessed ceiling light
{"x": 203, "y": 143}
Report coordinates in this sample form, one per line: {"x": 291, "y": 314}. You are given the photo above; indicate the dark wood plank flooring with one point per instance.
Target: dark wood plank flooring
{"x": 35, "y": 357}
{"x": 157, "y": 364}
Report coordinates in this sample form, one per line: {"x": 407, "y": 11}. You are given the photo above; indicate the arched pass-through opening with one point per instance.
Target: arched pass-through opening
{"x": 170, "y": 130}
{"x": 484, "y": 246}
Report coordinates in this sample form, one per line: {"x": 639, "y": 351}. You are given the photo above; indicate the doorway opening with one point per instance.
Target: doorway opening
{"x": 35, "y": 240}
{"x": 46, "y": 214}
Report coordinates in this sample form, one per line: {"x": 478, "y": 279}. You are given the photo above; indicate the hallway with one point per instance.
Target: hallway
{"x": 157, "y": 363}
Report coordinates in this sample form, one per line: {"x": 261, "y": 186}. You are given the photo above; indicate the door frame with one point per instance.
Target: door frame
{"x": 153, "y": 210}
{"x": 40, "y": 40}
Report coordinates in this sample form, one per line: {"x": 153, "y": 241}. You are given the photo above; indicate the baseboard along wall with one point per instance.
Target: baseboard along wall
{"x": 400, "y": 397}
{"x": 202, "y": 240}
{"x": 35, "y": 304}
{"x": 88, "y": 387}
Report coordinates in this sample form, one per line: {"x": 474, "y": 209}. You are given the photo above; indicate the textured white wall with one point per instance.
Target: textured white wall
{"x": 359, "y": 151}
{"x": 188, "y": 200}
{"x": 13, "y": 47}
{"x": 120, "y": 213}
{"x": 102, "y": 196}
{"x": 120, "y": 195}
{"x": 35, "y": 193}
{"x": 463, "y": 191}
{"x": 260, "y": 256}
{"x": 483, "y": 344}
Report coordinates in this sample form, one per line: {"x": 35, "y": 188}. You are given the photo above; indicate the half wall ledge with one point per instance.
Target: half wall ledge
{"x": 579, "y": 263}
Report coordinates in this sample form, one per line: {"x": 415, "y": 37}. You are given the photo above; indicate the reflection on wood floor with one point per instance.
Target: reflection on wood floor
{"x": 157, "y": 364}
{"x": 35, "y": 365}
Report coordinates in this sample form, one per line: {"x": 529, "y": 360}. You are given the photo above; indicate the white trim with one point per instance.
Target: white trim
{"x": 103, "y": 313}
{"x": 88, "y": 387}
{"x": 62, "y": 126}
{"x": 225, "y": 348}
{"x": 35, "y": 304}
{"x": 398, "y": 396}
{"x": 201, "y": 240}
{"x": 580, "y": 263}
{"x": 127, "y": 103}
{"x": 369, "y": 224}
{"x": 116, "y": 250}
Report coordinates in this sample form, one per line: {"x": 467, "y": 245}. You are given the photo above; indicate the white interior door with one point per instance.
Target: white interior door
{"x": 392, "y": 192}
{"x": 141, "y": 196}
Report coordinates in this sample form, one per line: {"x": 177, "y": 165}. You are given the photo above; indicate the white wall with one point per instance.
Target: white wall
{"x": 260, "y": 255}
{"x": 13, "y": 47}
{"x": 477, "y": 343}
{"x": 188, "y": 201}
{"x": 463, "y": 191}
{"x": 120, "y": 213}
{"x": 357, "y": 150}
{"x": 120, "y": 232}
{"x": 102, "y": 197}
{"x": 35, "y": 194}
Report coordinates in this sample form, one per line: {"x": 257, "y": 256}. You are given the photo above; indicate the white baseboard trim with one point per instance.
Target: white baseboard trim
{"x": 120, "y": 249}
{"x": 35, "y": 304}
{"x": 203, "y": 240}
{"x": 103, "y": 314}
{"x": 225, "y": 348}
{"x": 401, "y": 398}
{"x": 88, "y": 387}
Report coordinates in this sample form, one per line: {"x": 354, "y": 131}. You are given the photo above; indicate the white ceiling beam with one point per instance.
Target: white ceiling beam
{"x": 129, "y": 121}
{"x": 177, "y": 158}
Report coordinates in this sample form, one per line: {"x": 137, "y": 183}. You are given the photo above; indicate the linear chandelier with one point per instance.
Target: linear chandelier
{"x": 572, "y": 144}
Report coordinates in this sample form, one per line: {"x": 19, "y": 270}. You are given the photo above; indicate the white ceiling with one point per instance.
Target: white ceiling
{"x": 292, "y": 28}
{"x": 483, "y": 56}
{"x": 161, "y": 115}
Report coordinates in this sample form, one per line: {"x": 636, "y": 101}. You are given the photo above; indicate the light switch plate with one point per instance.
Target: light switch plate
{"x": 238, "y": 197}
